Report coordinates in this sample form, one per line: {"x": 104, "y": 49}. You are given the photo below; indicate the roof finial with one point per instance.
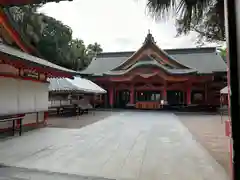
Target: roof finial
{"x": 149, "y": 38}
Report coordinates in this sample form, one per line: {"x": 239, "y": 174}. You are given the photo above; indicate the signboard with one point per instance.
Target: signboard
{"x": 29, "y": 73}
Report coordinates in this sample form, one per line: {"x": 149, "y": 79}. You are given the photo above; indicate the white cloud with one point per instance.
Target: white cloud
{"x": 118, "y": 25}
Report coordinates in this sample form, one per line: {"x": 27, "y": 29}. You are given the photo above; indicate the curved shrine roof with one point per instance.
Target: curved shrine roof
{"x": 204, "y": 60}
{"x": 153, "y": 63}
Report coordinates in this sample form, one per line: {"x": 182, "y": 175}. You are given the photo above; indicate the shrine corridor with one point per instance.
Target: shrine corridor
{"x": 127, "y": 145}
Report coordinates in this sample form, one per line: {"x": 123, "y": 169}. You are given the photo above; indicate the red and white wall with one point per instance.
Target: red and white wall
{"x": 19, "y": 96}
{"x": 30, "y": 120}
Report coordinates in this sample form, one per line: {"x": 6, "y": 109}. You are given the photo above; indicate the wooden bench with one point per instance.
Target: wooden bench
{"x": 13, "y": 119}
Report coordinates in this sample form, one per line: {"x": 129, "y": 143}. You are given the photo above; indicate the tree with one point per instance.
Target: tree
{"x": 94, "y": 49}
{"x": 78, "y": 51}
{"x": 223, "y": 52}
{"x": 206, "y": 17}
{"x": 52, "y": 39}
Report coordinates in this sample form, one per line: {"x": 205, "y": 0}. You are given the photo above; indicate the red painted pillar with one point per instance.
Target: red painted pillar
{"x": 45, "y": 118}
{"x": 164, "y": 93}
{"x": 18, "y": 121}
{"x": 111, "y": 101}
{"x": 189, "y": 90}
{"x": 132, "y": 98}
{"x": 206, "y": 93}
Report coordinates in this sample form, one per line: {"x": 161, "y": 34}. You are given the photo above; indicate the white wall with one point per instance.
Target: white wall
{"x": 20, "y": 96}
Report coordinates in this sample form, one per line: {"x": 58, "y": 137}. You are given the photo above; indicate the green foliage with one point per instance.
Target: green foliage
{"x": 205, "y": 17}
{"x": 52, "y": 39}
{"x": 223, "y": 52}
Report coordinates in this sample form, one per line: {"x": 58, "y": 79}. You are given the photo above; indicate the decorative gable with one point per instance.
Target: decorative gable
{"x": 150, "y": 52}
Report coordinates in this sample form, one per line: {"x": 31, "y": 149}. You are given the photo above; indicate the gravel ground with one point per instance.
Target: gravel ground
{"x": 209, "y": 130}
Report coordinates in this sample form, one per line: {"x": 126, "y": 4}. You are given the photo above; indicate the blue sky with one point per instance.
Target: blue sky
{"x": 118, "y": 25}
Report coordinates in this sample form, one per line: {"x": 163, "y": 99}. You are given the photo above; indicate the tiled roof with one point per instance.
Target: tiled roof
{"x": 204, "y": 60}
{"x": 153, "y": 63}
{"x": 31, "y": 60}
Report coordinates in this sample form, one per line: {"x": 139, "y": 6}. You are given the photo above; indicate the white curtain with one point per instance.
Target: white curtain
{"x": 8, "y": 96}
{"x": 20, "y": 96}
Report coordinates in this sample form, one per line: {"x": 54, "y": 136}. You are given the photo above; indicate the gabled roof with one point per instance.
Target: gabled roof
{"x": 77, "y": 84}
{"x": 204, "y": 60}
{"x": 153, "y": 63}
{"x": 149, "y": 42}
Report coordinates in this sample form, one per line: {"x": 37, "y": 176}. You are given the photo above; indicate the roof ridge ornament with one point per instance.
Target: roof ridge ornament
{"x": 149, "y": 38}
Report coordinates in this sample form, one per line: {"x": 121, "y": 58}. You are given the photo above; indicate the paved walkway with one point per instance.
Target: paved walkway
{"x": 130, "y": 145}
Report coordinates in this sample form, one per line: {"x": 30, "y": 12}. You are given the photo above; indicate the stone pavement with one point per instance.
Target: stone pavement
{"x": 128, "y": 145}
{"x": 15, "y": 173}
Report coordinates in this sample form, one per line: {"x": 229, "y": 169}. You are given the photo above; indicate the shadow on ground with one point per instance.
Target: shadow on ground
{"x": 77, "y": 122}
{"x": 15, "y": 173}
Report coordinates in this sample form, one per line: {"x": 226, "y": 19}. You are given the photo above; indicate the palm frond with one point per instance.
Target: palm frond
{"x": 182, "y": 8}
{"x": 160, "y": 8}
{"x": 192, "y": 14}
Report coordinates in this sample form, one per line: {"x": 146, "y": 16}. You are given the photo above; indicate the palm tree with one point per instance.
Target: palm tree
{"x": 94, "y": 48}
{"x": 203, "y": 16}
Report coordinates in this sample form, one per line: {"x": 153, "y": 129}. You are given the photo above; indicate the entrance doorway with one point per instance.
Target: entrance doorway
{"x": 175, "y": 97}
{"x": 147, "y": 96}
{"x": 105, "y": 99}
{"x": 122, "y": 98}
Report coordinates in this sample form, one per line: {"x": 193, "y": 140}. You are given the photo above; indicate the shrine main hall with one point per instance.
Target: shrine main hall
{"x": 152, "y": 78}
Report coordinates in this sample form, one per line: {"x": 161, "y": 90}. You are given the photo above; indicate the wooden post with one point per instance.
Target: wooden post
{"x": 111, "y": 100}
{"x": 164, "y": 92}
{"x": 45, "y": 117}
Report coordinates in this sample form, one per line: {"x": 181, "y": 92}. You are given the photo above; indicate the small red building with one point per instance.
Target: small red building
{"x": 151, "y": 77}
{"x": 23, "y": 79}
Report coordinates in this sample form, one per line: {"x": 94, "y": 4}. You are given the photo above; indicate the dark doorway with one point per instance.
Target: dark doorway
{"x": 105, "y": 99}
{"x": 175, "y": 97}
{"x": 145, "y": 96}
{"x": 198, "y": 97}
{"x": 122, "y": 98}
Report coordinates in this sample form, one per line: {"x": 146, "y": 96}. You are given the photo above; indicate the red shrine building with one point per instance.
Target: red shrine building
{"x": 153, "y": 78}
